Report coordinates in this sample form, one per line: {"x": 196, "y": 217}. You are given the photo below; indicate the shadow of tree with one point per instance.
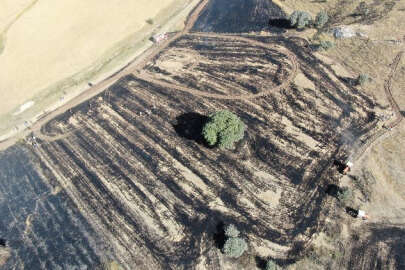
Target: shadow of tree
{"x": 332, "y": 190}
{"x": 219, "y": 235}
{"x": 190, "y": 125}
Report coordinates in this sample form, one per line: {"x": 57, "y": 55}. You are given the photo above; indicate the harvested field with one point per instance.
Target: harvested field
{"x": 52, "y": 40}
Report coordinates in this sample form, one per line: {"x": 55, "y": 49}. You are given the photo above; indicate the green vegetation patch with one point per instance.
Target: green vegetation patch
{"x": 223, "y": 129}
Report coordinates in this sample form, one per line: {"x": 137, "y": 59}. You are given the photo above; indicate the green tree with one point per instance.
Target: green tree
{"x": 321, "y": 19}
{"x": 271, "y": 265}
{"x": 235, "y": 247}
{"x": 223, "y": 129}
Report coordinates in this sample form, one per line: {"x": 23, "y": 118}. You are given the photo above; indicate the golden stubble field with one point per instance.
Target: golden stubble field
{"x": 47, "y": 41}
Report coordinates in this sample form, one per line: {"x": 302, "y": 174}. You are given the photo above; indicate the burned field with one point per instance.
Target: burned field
{"x": 238, "y": 16}
{"x": 132, "y": 161}
{"x": 226, "y": 67}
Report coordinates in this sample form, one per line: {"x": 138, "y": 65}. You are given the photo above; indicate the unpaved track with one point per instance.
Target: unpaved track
{"x": 264, "y": 92}
{"x": 388, "y": 90}
{"x": 394, "y": 106}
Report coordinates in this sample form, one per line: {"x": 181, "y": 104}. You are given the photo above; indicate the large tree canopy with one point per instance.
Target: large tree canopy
{"x": 223, "y": 129}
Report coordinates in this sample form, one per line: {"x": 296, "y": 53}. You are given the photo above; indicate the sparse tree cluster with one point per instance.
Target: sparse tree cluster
{"x": 223, "y": 129}
{"x": 234, "y": 245}
{"x": 302, "y": 19}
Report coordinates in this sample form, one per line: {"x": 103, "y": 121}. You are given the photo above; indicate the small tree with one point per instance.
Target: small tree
{"x": 321, "y": 19}
{"x": 294, "y": 18}
{"x": 271, "y": 265}
{"x": 223, "y": 129}
{"x": 231, "y": 231}
{"x": 363, "y": 79}
{"x": 300, "y": 19}
{"x": 234, "y": 247}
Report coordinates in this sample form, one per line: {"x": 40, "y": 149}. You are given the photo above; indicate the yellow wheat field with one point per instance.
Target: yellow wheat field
{"x": 45, "y": 41}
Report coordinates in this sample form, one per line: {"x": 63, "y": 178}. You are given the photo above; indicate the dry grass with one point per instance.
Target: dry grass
{"x": 53, "y": 41}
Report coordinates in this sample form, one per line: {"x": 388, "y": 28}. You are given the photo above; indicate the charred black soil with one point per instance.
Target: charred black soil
{"x": 237, "y": 16}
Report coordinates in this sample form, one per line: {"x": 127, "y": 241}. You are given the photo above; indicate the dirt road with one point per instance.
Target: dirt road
{"x": 394, "y": 105}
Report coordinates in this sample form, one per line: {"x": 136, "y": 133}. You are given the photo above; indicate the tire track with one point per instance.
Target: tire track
{"x": 394, "y": 105}
{"x": 291, "y": 57}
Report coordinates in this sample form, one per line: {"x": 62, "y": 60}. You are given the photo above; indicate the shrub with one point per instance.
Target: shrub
{"x": 223, "y": 129}
{"x": 362, "y": 10}
{"x": 326, "y": 45}
{"x": 271, "y": 265}
{"x": 321, "y": 19}
{"x": 363, "y": 79}
{"x": 235, "y": 247}
{"x": 300, "y": 19}
{"x": 150, "y": 21}
{"x": 231, "y": 231}
{"x": 344, "y": 194}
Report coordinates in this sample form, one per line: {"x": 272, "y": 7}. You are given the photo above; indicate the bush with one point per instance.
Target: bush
{"x": 150, "y": 21}
{"x": 326, "y": 45}
{"x": 321, "y": 19}
{"x": 344, "y": 194}
{"x": 300, "y": 19}
{"x": 271, "y": 265}
{"x": 223, "y": 129}
{"x": 363, "y": 79}
{"x": 231, "y": 231}
{"x": 235, "y": 247}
